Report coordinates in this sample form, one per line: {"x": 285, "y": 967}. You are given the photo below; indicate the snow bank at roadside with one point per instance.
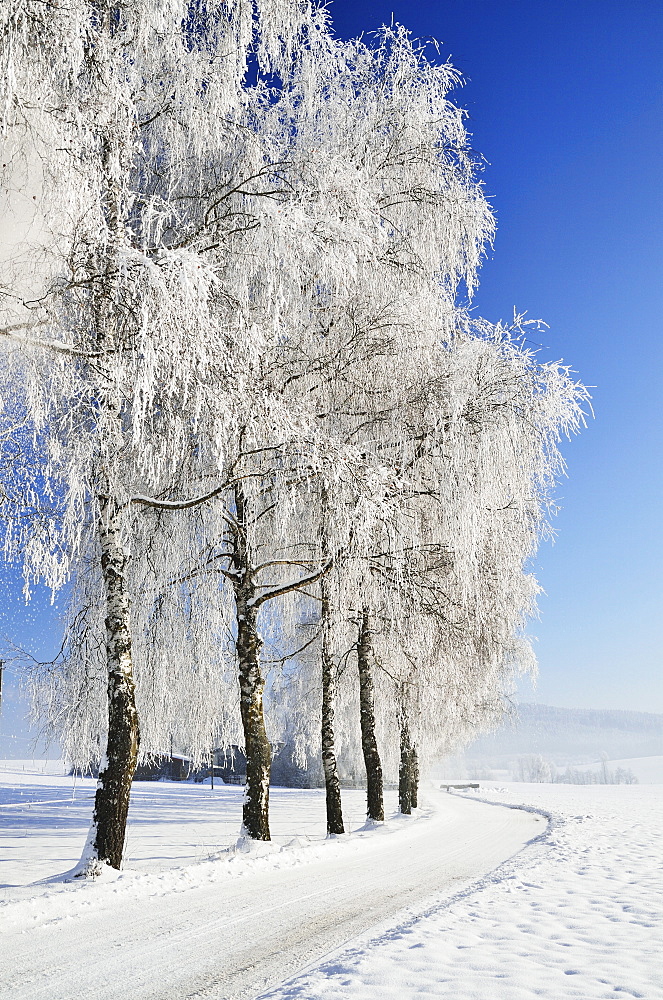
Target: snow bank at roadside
{"x": 577, "y": 914}
{"x": 30, "y": 806}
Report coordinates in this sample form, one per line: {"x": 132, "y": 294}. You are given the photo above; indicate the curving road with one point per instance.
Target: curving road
{"x": 228, "y": 938}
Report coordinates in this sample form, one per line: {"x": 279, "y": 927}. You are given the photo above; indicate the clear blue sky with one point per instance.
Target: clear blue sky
{"x": 564, "y": 99}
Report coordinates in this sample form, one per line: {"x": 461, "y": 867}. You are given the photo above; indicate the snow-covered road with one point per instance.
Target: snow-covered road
{"x": 231, "y": 927}
{"x": 577, "y": 915}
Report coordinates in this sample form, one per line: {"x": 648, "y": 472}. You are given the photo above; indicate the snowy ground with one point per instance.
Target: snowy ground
{"x": 45, "y": 815}
{"x": 424, "y": 909}
{"x": 578, "y": 914}
{"x": 227, "y": 927}
{"x": 648, "y": 770}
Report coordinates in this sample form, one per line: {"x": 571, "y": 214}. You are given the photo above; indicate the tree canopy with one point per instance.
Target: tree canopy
{"x": 248, "y": 417}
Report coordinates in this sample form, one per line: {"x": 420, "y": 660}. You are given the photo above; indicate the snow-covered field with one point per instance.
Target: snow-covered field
{"x": 419, "y": 909}
{"x": 45, "y": 815}
{"x": 578, "y": 914}
{"x": 648, "y": 770}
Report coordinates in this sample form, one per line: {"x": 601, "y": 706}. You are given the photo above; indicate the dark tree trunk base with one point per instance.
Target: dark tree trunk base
{"x": 414, "y": 785}
{"x": 332, "y": 783}
{"x": 255, "y": 813}
{"x": 405, "y": 775}
{"x": 111, "y": 803}
{"x": 374, "y": 788}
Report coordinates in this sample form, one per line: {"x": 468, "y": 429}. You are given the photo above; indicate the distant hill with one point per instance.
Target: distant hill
{"x": 569, "y": 736}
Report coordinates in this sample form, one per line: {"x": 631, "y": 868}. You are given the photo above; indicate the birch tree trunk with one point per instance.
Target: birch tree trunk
{"x": 111, "y": 804}
{"x": 374, "y": 792}
{"x": 118, "y": 765}
{"x": 414, "y": 786}
{"x": 332, "y": 783}
{"x": 405, "y": 775}
{"x": 255, "y": 813}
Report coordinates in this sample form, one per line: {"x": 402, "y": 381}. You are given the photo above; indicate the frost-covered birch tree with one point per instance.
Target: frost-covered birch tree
{"x": 250, "y": 388}
{"x": 411, "y": 184}
{"x": 391, "y": 154}
{"x": 480, "y": 459}
{"x": 133, "y": 120}
{"x": 401, "y": 374}
{"x": 357, "y": 260}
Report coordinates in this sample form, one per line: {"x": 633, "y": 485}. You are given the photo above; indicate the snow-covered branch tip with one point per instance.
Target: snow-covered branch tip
{"x": 12, "y": 333}
{"x": 178, "y": 504}
{"x": 288, "y": 588}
